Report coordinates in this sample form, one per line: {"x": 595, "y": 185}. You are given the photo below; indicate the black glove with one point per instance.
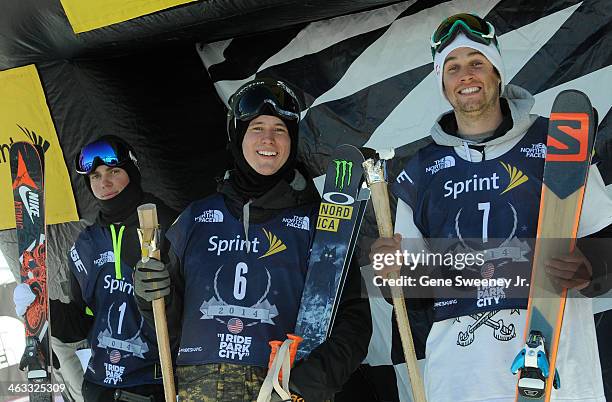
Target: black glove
{"x": 294, "y": 398}
{"x": 151, "y": 280}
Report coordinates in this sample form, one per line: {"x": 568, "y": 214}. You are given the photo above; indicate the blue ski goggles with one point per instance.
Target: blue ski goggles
{"x": 474, "y": 27}
{"x": 250, "y": 101}
{"x": 105, "y": 151}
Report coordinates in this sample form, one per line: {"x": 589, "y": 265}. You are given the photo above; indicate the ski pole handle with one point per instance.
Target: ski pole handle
{"x": 149, "y": 234}
{"x": 376, "y": 178}
{"x": 275, "y": 346}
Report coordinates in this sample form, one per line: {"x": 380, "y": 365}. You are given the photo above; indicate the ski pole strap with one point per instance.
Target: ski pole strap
{"x": 282, "y": 361}
{"x": 117, "y": 249}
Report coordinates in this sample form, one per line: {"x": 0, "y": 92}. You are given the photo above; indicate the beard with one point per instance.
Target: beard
{"x": 477, "y": 107}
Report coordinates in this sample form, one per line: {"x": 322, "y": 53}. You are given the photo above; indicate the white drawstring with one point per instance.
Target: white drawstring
{"x": 467, "y": 150}
{"x": 245, "y": 218}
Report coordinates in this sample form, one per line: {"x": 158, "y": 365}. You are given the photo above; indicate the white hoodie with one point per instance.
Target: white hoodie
{"x": 481, "y": 371}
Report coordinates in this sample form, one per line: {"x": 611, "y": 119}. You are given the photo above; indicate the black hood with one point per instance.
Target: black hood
{"x": 301, "y": 191}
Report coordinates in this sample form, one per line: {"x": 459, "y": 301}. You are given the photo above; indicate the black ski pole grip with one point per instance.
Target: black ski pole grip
{"x": 125, "y": 396}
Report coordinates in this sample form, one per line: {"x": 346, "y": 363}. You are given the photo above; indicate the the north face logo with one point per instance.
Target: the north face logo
{"x": 212, "y": 215}
{"x": 108, "y": 256}
{"x": 535, "y": 151}
{"x": 444, "y": 163}
{"x": 298, "y": 222}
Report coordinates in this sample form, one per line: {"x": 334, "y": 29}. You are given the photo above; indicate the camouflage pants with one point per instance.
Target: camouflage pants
{"x": 219, "y": 383}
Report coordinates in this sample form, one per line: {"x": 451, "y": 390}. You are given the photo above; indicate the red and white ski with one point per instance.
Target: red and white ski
{"x": 28, "y": 191}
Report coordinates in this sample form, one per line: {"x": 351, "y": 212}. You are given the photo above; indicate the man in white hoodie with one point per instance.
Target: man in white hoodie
{"x": 477, "y": 187}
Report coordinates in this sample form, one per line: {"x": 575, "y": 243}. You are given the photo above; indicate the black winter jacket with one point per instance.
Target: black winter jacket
{"x": 69, "y": 322}
{"x": 323, "y": 373}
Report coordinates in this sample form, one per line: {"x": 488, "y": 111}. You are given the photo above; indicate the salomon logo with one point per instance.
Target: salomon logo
{"x": 568, "y": 139}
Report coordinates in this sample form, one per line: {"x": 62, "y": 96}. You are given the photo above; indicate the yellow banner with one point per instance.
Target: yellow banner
{"x": 88, "y": 15}
{"x": 24, "y": 116}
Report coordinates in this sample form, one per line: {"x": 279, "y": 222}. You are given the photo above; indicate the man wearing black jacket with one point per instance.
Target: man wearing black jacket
{"x": 237, "y": 269}
{"x": 102, "y": 306}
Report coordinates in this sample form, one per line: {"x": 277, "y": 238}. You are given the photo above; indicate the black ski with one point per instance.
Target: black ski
{"x": 340, "y": 215}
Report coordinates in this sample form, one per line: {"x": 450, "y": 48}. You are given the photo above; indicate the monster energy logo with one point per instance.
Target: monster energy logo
{"x": 343, "y": 169}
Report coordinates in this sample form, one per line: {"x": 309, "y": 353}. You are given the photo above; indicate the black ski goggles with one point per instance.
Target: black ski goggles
{"x": 104, "y": 151}
{"x": 249, "y": 101}
{"x": 471, "y": 25}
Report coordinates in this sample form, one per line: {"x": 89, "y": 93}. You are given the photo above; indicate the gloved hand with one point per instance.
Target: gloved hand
{"x": 295, "y": 395}
{"x": 23, "y": 297}
{"x": 151, "y": 280}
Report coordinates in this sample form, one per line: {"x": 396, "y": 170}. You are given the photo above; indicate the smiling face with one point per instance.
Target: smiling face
{"x": 106, "y": 182}
{"x": 266, "y": 144}
{"x": 471, "y": 83}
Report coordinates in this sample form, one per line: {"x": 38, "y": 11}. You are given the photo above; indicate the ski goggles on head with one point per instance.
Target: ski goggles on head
{"x": 104, "y": 151}
{"x": 474, "y": 27}
{"x": 248, "y": 102}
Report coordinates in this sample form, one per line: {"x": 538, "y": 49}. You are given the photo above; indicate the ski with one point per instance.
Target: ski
{"x": 340, "y": 214}
{"x": 28, "y": 192}
{"x": 571, "y": 135}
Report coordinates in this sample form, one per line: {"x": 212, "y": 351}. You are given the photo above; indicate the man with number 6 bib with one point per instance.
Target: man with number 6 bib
{"x": 238, "y": 263}
{"x": 477, "y": 187}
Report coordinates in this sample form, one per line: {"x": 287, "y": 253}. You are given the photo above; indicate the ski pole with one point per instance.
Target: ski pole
{"x": 376, "y": 178}
{"x": 275, "y": 346}
{"x": 149, "y": 234}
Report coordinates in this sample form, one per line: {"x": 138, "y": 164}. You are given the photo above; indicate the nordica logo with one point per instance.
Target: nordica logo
{"x": 298, "y": 222}
{"x": 536, "y": 151}
{"x": 210, "y": 216}
{"x": 344, "y": 169}
{"x": 444, "y": 163}
{"x": 477, "y": 184}
{"x": 275, "y": 245}
{"x": 104, "y": 258}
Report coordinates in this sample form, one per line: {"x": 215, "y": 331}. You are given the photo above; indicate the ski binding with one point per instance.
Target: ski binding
{"x": 533, "y": 364}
